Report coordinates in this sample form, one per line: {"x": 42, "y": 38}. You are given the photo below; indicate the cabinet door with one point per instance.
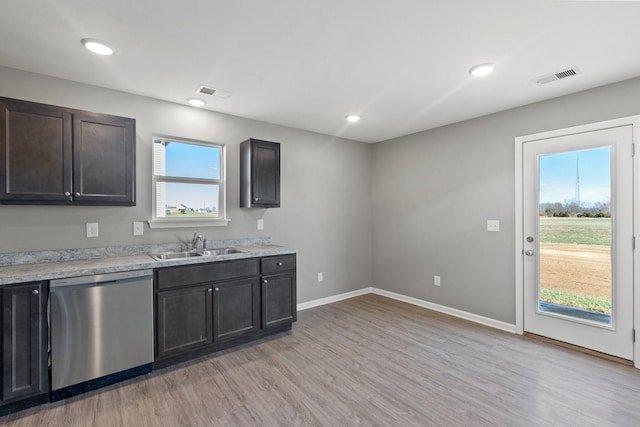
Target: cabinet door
{"x": 266, "y": 174}
{"x": 278, "y": 300}
{"x": 35, "y": 153}
{"x": 24, "y": 340}
{"x": 235, "y": 309}
{"x": 183, "y": 319}
{"x": 103, "y": 159}
{"x": 259, "y": 174}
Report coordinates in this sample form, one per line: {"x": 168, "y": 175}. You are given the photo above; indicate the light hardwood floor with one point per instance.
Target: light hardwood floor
{"x": 368, "y": 361}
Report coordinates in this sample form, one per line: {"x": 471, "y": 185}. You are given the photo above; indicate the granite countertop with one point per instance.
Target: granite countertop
{"x": 47, "y": 265}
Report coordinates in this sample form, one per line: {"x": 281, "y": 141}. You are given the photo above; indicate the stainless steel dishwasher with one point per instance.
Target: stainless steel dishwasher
{"x": 101, "y": 330}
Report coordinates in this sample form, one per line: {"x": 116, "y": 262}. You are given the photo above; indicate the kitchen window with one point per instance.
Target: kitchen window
{"x": 189, "y": 187}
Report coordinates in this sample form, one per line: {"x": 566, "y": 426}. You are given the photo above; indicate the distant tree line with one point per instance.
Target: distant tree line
{"x": 573, "y": 209}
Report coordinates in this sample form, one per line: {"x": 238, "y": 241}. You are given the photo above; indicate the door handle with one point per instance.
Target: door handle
{"x": 528, "y": 253}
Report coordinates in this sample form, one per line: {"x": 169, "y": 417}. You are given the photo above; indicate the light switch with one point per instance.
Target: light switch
{"x": 138, "y": 228}
{"x": 92, "y": 229}
{"x": 261, "y": 224}
{"x": 493, "y": 225}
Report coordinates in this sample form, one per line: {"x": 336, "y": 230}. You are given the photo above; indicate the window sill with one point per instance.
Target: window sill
{"x": 187, "y": 222}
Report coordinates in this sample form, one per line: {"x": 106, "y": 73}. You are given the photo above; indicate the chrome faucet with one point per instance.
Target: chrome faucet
{"x": 194, "y": 242}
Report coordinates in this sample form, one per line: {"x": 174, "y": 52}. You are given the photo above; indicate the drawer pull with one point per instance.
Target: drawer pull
{"x": 35, "y": 292}
{"x": 279, "y": 264}
{"x": 265, "y": 281}
{"x": 209, "y": 290}
{"x": 217, "y": 289}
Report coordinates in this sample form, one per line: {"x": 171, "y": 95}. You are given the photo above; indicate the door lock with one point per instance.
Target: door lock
{"x": 528, "y": 253}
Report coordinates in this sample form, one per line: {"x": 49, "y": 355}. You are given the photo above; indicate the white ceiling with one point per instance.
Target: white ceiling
{"x": 402, "y": 64}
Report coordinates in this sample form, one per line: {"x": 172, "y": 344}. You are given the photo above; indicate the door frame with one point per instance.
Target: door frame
{"x": 634, "y": 121}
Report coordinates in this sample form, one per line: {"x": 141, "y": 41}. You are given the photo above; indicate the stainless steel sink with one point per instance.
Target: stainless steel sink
{"x": 166, "y": 256}
{"x": 221, "y": 251}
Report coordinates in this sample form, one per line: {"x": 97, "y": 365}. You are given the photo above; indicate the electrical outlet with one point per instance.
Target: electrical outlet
{"x": 436, "y": 280}
{"x": 261, "y": 224}
{"x": 92, "y": 229}
{"x": 138, "y": 228}
{"x": 320, "y": 277}
{"x": 493, "y": 225}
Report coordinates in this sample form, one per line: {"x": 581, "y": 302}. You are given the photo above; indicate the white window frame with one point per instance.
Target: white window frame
{"x": 176, "y": 222}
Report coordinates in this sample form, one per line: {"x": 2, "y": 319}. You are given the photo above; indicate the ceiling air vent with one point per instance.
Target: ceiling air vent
{"x": 568, "y": 72}
{"x": 208, "y": 90}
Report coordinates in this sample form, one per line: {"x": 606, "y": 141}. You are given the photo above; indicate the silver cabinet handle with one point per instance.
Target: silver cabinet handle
{"x": 217, "y": 289}
{"x": 279, "y": 264}
{"x": 77, "y": 194}
{"x": 209, "y": 290}
{"x": 265, "y": 281}
{"x": 528, "y": 253}
{"x": 35, "y": 292}
{"x": 66, "y": 193}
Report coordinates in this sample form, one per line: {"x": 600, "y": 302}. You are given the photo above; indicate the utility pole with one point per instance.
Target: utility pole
{"x": 578, "y": 181}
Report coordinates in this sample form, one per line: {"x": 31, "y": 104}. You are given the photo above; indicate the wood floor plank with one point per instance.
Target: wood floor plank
{"x": 368, "y": 361}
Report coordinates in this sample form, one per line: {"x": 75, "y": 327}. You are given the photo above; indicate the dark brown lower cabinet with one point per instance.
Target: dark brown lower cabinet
{"x": 24, "y": 372}
{"x": 202, "y": 308}
{"x": 278, "y": 300}
{"x": 183, "y": 319}
{"x": 278, "y": 290}
{"x": 193, "y": 317}
{"x": 236, "y": 309}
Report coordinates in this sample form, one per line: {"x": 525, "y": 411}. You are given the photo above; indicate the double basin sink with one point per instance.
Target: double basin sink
{"x": 166, "y": 256}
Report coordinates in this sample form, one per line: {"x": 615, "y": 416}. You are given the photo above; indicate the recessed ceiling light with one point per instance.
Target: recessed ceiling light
{"x": 482, "y": 70}
{"x": 97, "y": 46}
{"x": 352, "y": 118}
{"x": 196, "y": 102}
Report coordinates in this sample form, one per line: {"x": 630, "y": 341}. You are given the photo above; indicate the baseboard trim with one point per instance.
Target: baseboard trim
{"x": 486, "y": 321}
{"x": 333, "y": 298}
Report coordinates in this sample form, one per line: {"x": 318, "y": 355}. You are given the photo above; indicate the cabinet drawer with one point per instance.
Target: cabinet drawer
{"x": 205, "y": 273}
{"x": 277, "y": 264}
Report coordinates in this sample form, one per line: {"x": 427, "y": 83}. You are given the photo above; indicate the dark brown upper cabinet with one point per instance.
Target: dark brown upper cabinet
{"x": 61, "y": 156}
{"x": 259, "y": 174}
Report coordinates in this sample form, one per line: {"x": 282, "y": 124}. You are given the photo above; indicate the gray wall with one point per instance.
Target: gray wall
{"x": 433, "y": 191}
{"x": 391, "y": 215}
{"x": 326, "y": 205}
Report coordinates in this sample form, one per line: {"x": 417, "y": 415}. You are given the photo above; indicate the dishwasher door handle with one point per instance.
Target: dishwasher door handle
{"x": 102, "y": 279}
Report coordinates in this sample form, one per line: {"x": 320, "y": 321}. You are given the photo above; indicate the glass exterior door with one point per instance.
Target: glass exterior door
{"x": 574, "y": 234}
{"x": 578, "y": 230}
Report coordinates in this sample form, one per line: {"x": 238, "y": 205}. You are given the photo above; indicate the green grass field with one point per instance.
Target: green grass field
{"x": 570, "y": 299}
{"x": 584, "y": 231}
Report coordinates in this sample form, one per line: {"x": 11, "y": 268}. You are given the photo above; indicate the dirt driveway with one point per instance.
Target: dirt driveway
{"x": 584, "y": 269}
